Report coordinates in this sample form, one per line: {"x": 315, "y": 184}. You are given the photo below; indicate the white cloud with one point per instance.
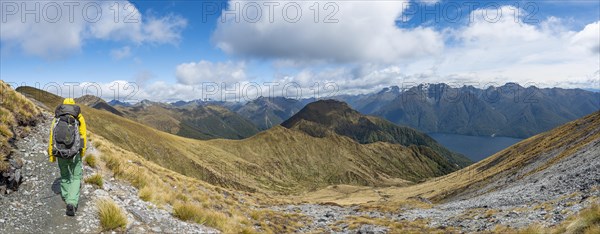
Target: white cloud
{"x": 54, "y": 35}
{"x": 205, "y": 71}
{"x": 164, "y": 30}
{"x": 121, "y": 53}
{"x": 364, "y": 31}
{"x": 588, "y": 38}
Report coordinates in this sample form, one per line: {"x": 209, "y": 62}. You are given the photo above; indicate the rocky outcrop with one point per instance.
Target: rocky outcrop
{"x": 11, "y": 178}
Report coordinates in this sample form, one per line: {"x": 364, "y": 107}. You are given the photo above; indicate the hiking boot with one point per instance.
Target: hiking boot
{"x": 71, "y": 210}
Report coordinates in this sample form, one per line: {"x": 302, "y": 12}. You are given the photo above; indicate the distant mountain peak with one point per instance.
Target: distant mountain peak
{"x": 326, "y": 112}
{"x": 392, "y": 89}
{"x": 89, "y": 100}
{"x": 115, "y": 102}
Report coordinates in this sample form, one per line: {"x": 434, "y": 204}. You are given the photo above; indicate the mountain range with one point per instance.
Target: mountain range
{"x": 193, "y": 121}
{"x": 509, "y": 110}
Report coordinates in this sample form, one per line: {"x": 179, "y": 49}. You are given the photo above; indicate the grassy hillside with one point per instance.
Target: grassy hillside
{"x": 297, "y": 161}
{"x": 229, "y": 211}
{"x": 326, "y": 117}
{"x": 240, "y": 164}
{"x": 16, "y": 113}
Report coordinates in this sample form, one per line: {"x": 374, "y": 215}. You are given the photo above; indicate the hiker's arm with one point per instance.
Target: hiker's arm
{"x": 83, "y": 133}
{"x": 50, "y": 156}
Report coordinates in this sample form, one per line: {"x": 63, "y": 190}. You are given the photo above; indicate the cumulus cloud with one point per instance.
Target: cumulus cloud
{"x": 588, "y": 38}
{"x": 484, "y": 52}
{"x": 58, "y": 29}
{"x": 205, "y": 71}
{"x": 507, "y": 50}
{"x": 357, "y": 31}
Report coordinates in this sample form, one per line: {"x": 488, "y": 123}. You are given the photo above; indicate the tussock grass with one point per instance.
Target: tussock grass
{"x": 195, "y": 213}
{"x": 3, "y": 164}
{"x": 90, "y": 160}
{"x": 401, "y": 226}
{"x": 146, "y": 193}
{"x": 113, "y": 163}
{"x": 275, "y": 222}
{"x": 16, "y": 111}
{"x": 587, "y": 221}
{"x": 111, "y": 216}
{"x": 95, "y": 179}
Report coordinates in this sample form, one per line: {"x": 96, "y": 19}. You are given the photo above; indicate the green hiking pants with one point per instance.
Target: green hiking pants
{"x": 71, "y": 173}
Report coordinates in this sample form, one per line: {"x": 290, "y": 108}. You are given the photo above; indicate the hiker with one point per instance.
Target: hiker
{"x": 67, "y": 144}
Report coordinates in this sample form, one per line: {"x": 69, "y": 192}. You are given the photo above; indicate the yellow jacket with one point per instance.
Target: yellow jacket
{"x": 82, "y": 131}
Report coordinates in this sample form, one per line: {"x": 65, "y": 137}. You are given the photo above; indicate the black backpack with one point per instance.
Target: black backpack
{"x": 66, "y": 139}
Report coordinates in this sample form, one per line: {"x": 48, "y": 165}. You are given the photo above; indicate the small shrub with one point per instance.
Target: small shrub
{"x": 90, "y": 160}
{"x": 95, "y": 179}
{"x": 111, "y": 216}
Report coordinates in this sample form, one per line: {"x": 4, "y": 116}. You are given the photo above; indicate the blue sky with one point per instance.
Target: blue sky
{"x": 177, "y": 46}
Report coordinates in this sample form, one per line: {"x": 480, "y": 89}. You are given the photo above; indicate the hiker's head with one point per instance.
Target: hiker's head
{"x": 69, "y": 101}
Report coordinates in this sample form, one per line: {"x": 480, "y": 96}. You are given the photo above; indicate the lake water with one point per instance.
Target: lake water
{"x": 474, "y": 147}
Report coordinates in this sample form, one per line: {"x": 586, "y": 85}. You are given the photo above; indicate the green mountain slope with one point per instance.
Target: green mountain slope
{"x": 329, "y": 116}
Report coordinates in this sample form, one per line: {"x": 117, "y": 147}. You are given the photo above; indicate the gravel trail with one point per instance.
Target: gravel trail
{"x": 37, "y": 207}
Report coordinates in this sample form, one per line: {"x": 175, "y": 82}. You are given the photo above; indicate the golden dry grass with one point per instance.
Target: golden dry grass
{"x": 275, "y": 222}
{"x": 111, "y": 216}
{"x": 198, "y": 214}
{"x": 15, "y": 111}
{"x": 95, "y": 179}
{"x": 90, "y": 160}
{"x": 401, "y": 226}
{"x": 587, "y": 221}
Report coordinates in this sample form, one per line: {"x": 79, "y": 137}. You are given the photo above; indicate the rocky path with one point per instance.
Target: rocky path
{"x": 37, "y": 206}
